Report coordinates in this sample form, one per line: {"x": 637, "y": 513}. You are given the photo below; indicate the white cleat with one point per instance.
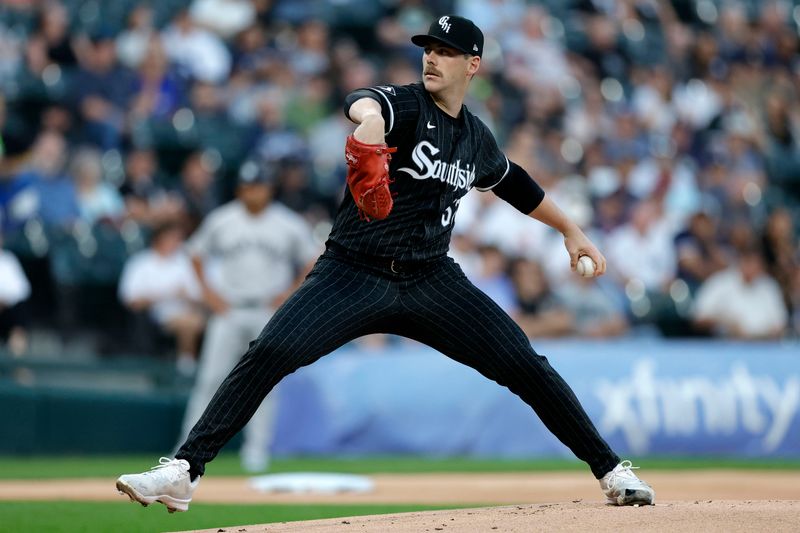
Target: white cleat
{"x": 168, "y": 483}
{"x": 622, "y": 487}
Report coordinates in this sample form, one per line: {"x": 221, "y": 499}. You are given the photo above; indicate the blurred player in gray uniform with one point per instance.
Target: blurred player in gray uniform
{"x": 248, "y": 255}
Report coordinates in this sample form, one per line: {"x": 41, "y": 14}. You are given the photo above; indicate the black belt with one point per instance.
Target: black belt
{"x": 395, "y": 266}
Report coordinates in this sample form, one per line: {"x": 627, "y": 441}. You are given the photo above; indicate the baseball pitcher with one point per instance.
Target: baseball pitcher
{"x": 416, "y": 152}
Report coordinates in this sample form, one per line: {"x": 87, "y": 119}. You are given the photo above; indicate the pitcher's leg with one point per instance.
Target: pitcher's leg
{"x": 333, "y": 306}
{"x": 451, "y": 315}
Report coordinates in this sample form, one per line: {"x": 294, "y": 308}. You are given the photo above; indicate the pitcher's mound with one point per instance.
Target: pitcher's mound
{"x": 707, "y": 516}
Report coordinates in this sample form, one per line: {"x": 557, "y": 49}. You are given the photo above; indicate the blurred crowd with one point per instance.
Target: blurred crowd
{"x": 669, "y": 130}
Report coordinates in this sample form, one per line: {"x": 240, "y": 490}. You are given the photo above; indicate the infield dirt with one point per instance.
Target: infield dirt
{"x": 690, "y": 500}
{"x": 707, "y": 516}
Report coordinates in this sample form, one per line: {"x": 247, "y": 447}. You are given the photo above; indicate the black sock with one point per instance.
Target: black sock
{"x": 194, "y": 472}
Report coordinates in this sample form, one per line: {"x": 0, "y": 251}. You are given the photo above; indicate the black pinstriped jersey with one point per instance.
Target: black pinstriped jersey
{"x": 439, "y": 159}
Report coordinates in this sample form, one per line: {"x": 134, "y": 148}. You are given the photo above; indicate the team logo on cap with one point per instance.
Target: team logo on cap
{"x": 444, "y": 24}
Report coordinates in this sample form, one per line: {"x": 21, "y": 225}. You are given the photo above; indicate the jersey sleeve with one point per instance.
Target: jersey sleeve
{"x": 493, "y": 165}
{"x": 306, "y": 248}
{"x": 202, "y": 242}
{"x": 399, "y": 106}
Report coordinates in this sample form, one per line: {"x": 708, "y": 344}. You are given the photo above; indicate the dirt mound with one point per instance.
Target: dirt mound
{"x": 707, "y": 516}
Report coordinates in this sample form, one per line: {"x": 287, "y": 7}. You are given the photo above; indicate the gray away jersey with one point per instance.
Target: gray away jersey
{"x": 252, "y": 258}
{"x": 439, "y": 159}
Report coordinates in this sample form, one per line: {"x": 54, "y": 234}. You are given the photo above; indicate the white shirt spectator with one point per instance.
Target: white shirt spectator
{"x": 648, "y": 256}
{"x": 657, "y": 114}
{"x": 224, "y": 17}
{"x": 492, "y": 221}
{"x": 14, "y": 285}
{"x": 168, "y": 281}
{"x": 201, "y": 52}
{"x": 697, "y": 103}
{"x": 756, "y": 308}
{"x": 133, "y": 42}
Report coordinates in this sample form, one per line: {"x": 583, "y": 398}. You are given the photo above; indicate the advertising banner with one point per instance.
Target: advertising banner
{"x": 645, "y": 396}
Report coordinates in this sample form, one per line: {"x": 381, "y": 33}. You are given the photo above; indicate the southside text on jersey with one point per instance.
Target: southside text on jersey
{"x": 450, "y": 173}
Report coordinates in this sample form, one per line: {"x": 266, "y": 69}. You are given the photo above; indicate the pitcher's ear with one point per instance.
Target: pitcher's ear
{"x": 474, "y": 65}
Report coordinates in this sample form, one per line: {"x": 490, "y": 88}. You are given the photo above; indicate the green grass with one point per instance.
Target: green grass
{"x": 76, "y": 517}
{"x": 79, "y": 517}
{"x": 23, "y": 467}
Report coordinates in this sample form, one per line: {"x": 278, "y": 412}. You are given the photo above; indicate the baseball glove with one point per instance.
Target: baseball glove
{"x": 368, "y": 177}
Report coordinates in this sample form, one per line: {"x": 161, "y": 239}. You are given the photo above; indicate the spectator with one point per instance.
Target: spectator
{"x": 588, "y": 119}
{"x": 309, "y": 105}
{"x": 197, "y": 191}
{"x": 157, "y": 92}
{"x": 698, "y": 251}
{"x": 593, "y": 312}
{"x": 652, "y": 100}
{"x": 14, "y": 290}
{"x": 295, "y": 190}
{"x": 494, "y": 15}
{"x": 53, "y": 30}
{"x": 493, "y": 222}
{"x": 146, "y": 202}
{"x": 248, "y": 254}
{"x": 224, "y": 17}
{"x": 97, "y": 199}
{"x": 668, "y": 178}
{"x": 492, "y": 277}
{"x": 464, "y": 251}
{"x": 200, "y": 53}
{"x": 782, "y": 255}
{"x": 134, "y": 41}
{"x": 539, "y": 313}
{"x": 272, "y": 139}
{"x": 534, "y": 60}
{"x": 18, "y": 200}
{"x": 653, "y": 262}
{"x": 103, "y": 91}
{"x": 603, "y": 50}
{"x": 56, "y": 198}
{"x": 160, "y": 282}
{"x": 741, "y": 302}
{"x": 310, "y": 55}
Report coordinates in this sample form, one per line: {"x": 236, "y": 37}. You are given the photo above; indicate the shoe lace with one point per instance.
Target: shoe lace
{"x": 163, "y": 468}
{"x": 622, "y": 473}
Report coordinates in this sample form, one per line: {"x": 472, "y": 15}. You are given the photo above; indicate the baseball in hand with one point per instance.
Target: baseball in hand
{"x": 585, "y": 266}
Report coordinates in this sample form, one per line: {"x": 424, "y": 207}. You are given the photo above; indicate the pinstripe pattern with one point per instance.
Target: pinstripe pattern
{"x": 414, "y": 231}
{"x": 342, "y": 300}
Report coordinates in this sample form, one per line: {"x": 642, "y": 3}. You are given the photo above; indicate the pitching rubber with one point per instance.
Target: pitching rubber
{"x": 172, "y": 504}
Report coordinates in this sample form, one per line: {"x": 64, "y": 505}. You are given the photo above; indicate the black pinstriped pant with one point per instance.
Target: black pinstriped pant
{"x": 343, "y": 299}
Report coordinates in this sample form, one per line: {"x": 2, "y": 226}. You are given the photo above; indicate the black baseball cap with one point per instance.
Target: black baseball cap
{"x": 452, "y": 30}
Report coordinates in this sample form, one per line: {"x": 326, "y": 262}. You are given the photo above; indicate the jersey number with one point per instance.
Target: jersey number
{"x": 449, "y": 214}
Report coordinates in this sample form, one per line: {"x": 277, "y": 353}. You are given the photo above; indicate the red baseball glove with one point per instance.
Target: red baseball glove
{"x": 368, "y": 177}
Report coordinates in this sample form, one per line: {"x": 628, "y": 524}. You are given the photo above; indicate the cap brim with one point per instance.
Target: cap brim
{"x": 424, "y": 39}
